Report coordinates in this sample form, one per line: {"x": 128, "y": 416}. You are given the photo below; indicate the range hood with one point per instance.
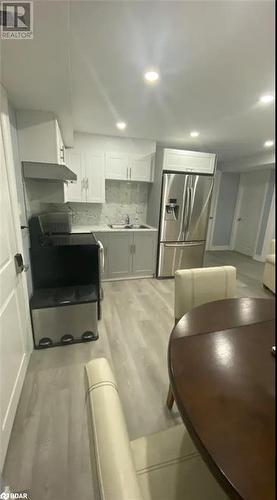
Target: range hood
{"x": 47, "y": 171}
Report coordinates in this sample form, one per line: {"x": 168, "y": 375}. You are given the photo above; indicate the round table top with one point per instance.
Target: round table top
{"x": 222, "y": 374}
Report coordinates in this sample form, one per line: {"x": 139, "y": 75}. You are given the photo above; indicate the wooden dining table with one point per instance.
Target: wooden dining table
{"x": 222, "y": 374}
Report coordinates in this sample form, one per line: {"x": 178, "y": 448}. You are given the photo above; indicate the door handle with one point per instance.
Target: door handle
{"x": 19, "y": 264}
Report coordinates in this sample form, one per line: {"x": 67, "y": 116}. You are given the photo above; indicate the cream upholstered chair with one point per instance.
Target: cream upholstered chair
{"x": 162, "y": 466}
{"x": 269, "y": 268}
{"x": 194, "y": 287}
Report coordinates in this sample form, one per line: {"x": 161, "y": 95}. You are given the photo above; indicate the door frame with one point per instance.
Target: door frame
{"x": 261, "y": 215}
{"x": 11, "y": 181}
{"x": 236, "y": 213}
{"x": 213, "y": 211}
{"x": 268, "y": 232}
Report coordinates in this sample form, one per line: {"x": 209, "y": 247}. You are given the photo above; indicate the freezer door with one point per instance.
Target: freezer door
{"x": 174, "y": 190}
{"x": 197, "y": 207}
{"x": 173, "y": 256}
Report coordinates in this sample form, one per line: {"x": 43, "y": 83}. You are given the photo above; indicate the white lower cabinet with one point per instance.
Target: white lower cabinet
{"x": 128, "y": 254}
{"x": 144, "y": 252}
{"x": 120, "y": 255}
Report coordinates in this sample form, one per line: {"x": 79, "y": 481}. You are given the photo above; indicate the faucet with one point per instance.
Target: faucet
{"x": 127, "y": 220}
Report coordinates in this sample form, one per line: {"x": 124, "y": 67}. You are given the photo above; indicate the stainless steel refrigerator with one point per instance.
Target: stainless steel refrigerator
{"x": 184, "y": 214}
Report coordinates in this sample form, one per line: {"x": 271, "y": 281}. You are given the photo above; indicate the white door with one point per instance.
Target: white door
{"x": 252, "y": 192}
{"x": 15, "y": 327}
{"x": 95, "y": 177}
{"x": 75, "y": 190}
{"x": 117, "y": 166}
{"x": 141, "y": 168}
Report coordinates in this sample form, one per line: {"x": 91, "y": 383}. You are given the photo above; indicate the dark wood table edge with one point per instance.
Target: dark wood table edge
{"x": 218, "y": 473}
{"x": 208, "y": 459}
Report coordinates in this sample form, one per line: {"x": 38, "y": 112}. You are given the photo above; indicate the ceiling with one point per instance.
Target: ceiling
{"x": 87, "y": 59}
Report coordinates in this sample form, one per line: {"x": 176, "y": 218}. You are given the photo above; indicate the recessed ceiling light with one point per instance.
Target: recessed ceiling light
{"x": 265, "y": 99}
{"x": 268, "y": 144}
{"x": 121, "y": 125}
{"x": 194, "y": 133}
{"x": 151, "y": 76}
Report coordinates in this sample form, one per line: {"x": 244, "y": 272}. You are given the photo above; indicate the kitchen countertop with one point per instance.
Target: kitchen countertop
{"x": 107, "y": 229}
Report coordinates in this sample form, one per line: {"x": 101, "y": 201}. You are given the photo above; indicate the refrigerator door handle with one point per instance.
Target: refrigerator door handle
{"x": 183, "y": 222}
{"x": 190, "y": 207}
{"x": 182, "y": 245}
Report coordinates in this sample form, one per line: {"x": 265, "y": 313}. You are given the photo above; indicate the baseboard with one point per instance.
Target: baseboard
{"x": 218, "y": 248}
{"x": 259, "y": 258}
{"x": 128, "y": 278}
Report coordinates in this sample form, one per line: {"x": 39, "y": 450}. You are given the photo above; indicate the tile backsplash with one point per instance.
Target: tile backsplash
{"x": 122, "y": 198}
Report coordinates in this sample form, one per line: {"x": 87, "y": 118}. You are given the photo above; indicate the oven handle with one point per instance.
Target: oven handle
{"x": 102, "y": 256}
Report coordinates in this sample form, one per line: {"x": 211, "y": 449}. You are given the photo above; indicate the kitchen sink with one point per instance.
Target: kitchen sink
{"x": 128, "y": 226}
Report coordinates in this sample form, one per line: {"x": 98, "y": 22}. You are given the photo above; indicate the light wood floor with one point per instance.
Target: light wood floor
{"x": 48, "y": 455}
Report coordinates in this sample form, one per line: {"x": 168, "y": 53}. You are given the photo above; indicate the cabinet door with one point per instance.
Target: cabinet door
{"x": 119, "y": 254}
{"x": 60, "y": 145}
{"x": 75, "y": 190}
{"x": 117, "y": 166}
{"x": 178, "y": 160}
{"x": 144, "y": 252}
{"x": 141, "y": 168}
{"x": 94, "y": 177}
{"x": 104, "y": 238}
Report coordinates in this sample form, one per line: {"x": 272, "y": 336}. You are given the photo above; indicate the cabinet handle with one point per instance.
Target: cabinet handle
{"x": 62, "y": 153}
{"x": 130, "y": 173}
{"x": 87, "y": 183}
{"x": 127, "y": 173}
{"x": 134, "y": 248}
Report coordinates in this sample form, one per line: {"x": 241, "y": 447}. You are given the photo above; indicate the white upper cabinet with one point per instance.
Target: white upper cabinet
{"x": 60, "y": 145}
{"x": 117, "y": 166}
{"x": 129, "y": 167}
{"x": 90, "y": 171}
{"x": 141, "y": 168}
{"x": 179, "y": 160}
{"x": 75, "y": 190}
{"x": 95, "y": 177}
{"x": 39, "y": 137}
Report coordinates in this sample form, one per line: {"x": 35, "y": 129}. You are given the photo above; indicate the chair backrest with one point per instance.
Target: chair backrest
{"x": 194, "y": 287}
{"x": 114, "y": 474}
